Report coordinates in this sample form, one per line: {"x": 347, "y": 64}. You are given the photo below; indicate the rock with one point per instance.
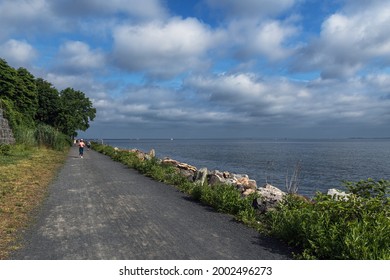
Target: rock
{"x": 189, "y": 174}
{"x": 139, "y": 154}
{"x": 252, "y": 184}
{"x": 170, "y": 161}
{"x": 226, "y": 175}
{"x": 215, "y": 179}
{"x": 248, "y": 192}
{"x": 270, "y": 192}
{"x": 243, "y": 181}
{"x": 239, "y": 176}
{"x": 201, "y": 176}
{"x": 178, "y": 164}
{"x": 337, "y": 194}
{"x": 231, "y": 181}
{"x": 269, "y": 198}
{"x": 187, "y": 167}
{"x": 247, "y": 183}
{"x": 152, "y": 153}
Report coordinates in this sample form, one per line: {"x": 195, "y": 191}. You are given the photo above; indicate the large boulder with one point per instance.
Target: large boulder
{"x": 201, "y": 176}
{"x": 185, "y": 169}
{"x": 150, "y": 155}
{"x": 215, "y": 178}
{"x": 270, "y": 197}
{"x": 139, "y": 154}
{"x": 246, "y": 183}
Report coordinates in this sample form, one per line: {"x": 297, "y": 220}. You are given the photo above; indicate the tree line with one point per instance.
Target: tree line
{"x": 29, "y": 101}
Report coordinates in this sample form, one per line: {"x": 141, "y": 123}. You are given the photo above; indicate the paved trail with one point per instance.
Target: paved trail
{"x": 100, "y": 209}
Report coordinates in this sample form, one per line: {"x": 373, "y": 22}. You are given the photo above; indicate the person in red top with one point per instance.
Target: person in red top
{"x": 81, "y": 148}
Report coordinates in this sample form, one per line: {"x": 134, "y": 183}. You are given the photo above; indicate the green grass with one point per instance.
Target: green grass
{"x": 10, "y": 154}
{"x": 42, "y": 135}
{"x": 25, "y": 175}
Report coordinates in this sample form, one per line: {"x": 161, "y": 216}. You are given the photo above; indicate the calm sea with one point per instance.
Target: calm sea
{"x": 324, "y": 163}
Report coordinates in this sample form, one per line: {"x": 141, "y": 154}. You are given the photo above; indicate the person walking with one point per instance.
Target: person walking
{"x": 81, "y": 148}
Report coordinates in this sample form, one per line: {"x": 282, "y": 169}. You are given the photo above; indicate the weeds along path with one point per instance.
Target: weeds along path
{"x": 24, "y": 179}
{"x": 100, "y": 209}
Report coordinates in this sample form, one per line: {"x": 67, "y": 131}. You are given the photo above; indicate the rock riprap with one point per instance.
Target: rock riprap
{"x": 269, "y": 196}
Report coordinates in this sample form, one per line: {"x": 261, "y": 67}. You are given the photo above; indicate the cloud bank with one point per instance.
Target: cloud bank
{"x": 246, "y": 68}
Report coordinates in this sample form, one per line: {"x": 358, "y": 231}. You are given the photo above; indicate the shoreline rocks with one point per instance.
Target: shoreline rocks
{"x": 268, "y": 195}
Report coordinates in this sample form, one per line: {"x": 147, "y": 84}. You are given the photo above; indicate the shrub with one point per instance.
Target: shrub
{"x": 369, "y": 188}
{"x": 5, "y": 149}
{"x": 357, "y": 228}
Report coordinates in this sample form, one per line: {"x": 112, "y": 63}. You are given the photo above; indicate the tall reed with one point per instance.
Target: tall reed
{"x": 41, "y": 135}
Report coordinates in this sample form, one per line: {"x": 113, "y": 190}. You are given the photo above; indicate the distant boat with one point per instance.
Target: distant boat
{"x": 171, "y": 139}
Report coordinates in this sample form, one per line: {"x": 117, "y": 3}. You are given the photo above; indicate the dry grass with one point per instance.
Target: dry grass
{"x": 23, "y": 186}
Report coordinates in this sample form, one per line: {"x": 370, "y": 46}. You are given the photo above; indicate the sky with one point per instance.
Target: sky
{"x": 211, "y": 68}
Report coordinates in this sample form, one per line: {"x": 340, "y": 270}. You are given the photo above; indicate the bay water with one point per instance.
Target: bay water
{"x": 323, "y": 163}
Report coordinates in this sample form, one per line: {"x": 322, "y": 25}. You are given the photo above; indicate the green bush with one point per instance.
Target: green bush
{"x": 9, "y": 154}
{"x": 327, "y": 228}
{"x": 369, "y": 188}
{"x": 5, "y": 149}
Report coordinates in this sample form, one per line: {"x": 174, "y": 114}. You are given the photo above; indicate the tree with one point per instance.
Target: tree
{"x": 7, "y": 80}
{"x": 31, "y": 101}
{"x": 26, "y": 97}
{"x": 75, "y": 113}
{"x": 48, "y": 103}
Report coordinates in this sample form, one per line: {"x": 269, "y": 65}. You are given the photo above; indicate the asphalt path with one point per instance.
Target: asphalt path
{"x": 98, "y": 209}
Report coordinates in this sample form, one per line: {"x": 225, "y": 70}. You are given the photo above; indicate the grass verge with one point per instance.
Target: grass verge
{"x": 25, "y": 176}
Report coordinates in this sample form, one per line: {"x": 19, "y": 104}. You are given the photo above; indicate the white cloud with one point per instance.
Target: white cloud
{"x": 77, "y": 57}
{"x": 28, "y": 17}
{"x": 350, "y": 41}
{"x": 304, "y": 103}
{"x": 37, "y": 17}
{"x": 243, "y": 100}
{"x": 163, "y": 49}
{"x": 84, "y": 82}
{"x": 267, "y": 38}
{"x": 18, "y": 53}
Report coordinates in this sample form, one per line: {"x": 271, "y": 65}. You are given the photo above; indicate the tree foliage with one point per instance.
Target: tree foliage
{"x": 31, "y": 101}
{"x": 7, "y": 80}
{"x": 26, "y": 96}
{"x": 48, "y": 103}
{"x": 75, "y": 112}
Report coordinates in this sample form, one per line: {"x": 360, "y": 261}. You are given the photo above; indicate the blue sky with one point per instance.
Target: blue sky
{"x": 211, "y": 68}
